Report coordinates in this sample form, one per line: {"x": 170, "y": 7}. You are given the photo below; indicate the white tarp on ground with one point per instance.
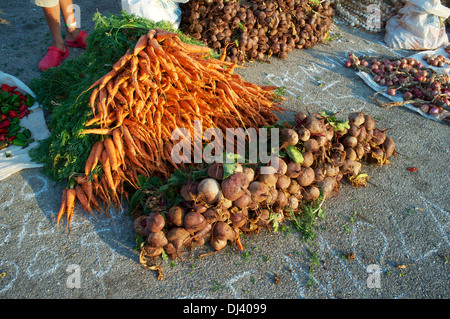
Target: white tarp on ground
{"x": 368, "y": 79}
{"x": 15, "y": 158}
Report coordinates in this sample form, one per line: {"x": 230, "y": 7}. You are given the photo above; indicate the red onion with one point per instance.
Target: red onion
{"x": 418, "y": 93}
{"x": 411, "y": 61}
{"x": 424, "y": 108}
{"x": 434, "y": 110}
{"x": 407, "y": 96}
{"x": 391, "y": 92}
{"x": 348, "y": 64}
{"x": 436, "y": 85}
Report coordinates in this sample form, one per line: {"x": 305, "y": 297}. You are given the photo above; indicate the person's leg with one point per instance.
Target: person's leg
{"x": 58, "y": 51}
{"x": 72, "y": 30}
{"x": 53, "y": 17}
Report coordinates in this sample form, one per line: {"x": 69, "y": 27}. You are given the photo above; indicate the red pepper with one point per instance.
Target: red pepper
{"x": 4, "y": 131}
{"x": 24, "y": 113}
{"x": 2, "y": 137}
{"x": 5, "y": 123}
{"x": 3, "y": 117}
{"x": 23, "y": 98}
{"x": 12, "y": 114}
{"x": 5, "y": 87}
{"x": 16, "y": 93}
{"x": 8, "y": 88}
{"x": 412, "y": 169}
{"x": 22, "y": 107}
{"x": 11, "y": 138}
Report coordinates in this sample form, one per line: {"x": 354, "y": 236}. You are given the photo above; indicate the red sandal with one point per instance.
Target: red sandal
{"x": 53, "y": 58}
{"x": 79, "y": 42}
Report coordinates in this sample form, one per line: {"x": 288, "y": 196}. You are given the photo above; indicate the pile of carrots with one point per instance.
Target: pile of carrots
{"x": 158, "y": 86}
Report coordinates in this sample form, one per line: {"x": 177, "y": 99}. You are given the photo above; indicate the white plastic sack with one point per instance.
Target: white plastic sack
{"x": 10, "y": 80}
{"x": 419, "y": 25}
{"x": 15, "y": 158}
{"x": 155, "y": 10}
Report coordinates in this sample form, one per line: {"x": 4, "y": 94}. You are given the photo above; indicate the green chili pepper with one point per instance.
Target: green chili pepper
{"x": 30, "y": 100}
{"x": 27, "y": 133}
{"x": 5, "y": 96}
{"x": 22, "y": 137}
{"x": 15, "y": 120}
{"x": 19, "y": 142}
{"x": 14, "y": 99}
{"x": 5, "y": 109}
{"x": 13, "y": 129}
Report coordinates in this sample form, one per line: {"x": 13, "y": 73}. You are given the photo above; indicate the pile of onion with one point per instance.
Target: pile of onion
{"x": 216, "y": 209}
{"x": 258, "y": 29}
{"x": 421, "y": 86}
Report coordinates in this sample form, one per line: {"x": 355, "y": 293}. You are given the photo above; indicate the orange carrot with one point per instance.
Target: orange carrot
{"x": 99, "y": 131}
{"x": 62, "y": 208}
{"x": 132, "y": 158}
{"x": 224, "y": 53}
{"x": 106, "y": 78}
{"x": 92, "y": 199}
{"x": 106, "y": 169}
{"x": 111, "y": 151}
{"x": 81, "y": 196}
{"x": 70, "y": 205}
{"x": 122, "y": 61}
{"x": 151, "y": 33}
{"x": 141, "y": 44}
{"x": 119, "y": 96}
{"x": 162, "y": 34}
{"x": 123, "y": 77}
{"x": 93, "y": 98}
{"x": 129, "y": 140}
{"x": 102, "y": 96}
{"x": 93, "y": 157}
{"x": 194, "y": 48}
{"x": 111, "y": 117}
{"x": 118, "y": 143}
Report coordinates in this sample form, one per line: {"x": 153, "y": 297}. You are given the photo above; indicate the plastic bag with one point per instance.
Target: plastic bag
{"x": 155, "y": 10}
{"x": 10, "y": 80}
{"x": 15, "y": 158}
{"x": 419, "y": 25}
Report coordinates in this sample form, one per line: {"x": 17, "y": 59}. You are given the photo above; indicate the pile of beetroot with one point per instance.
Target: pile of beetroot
{"x": 256, "y": 30}
{"x": 317, "y": 153}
